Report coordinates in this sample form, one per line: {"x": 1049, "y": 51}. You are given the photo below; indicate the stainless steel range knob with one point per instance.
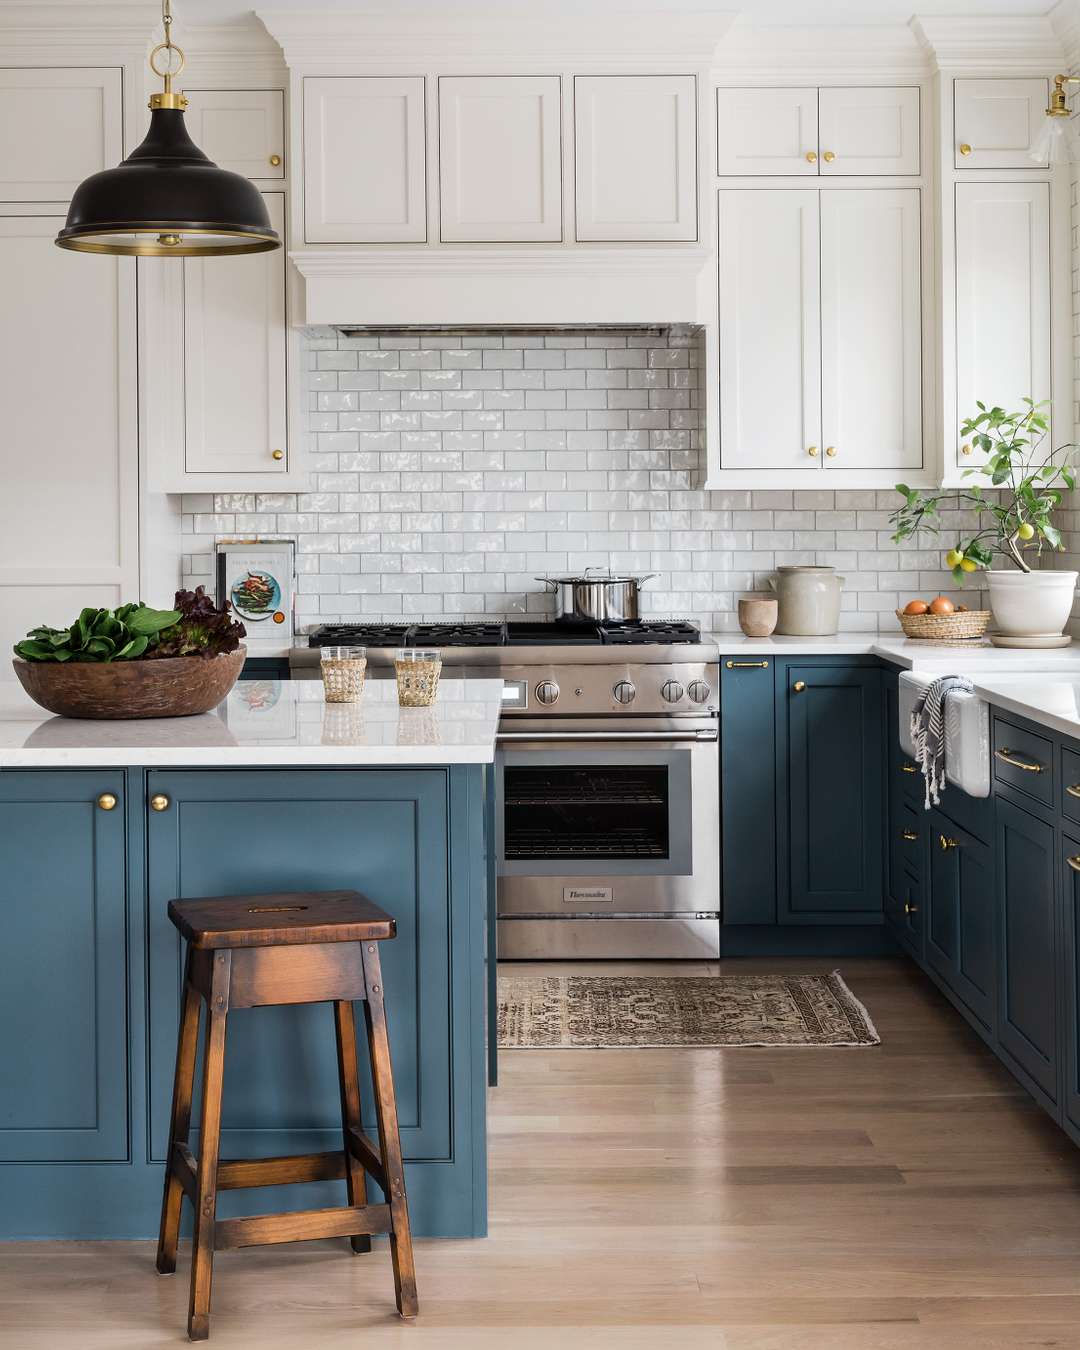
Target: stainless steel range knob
{"x": 699, "y": 691}
{"x": 547, "y": 691}
{"x": 624, "y": 692}
{"x": 672, "y": 691}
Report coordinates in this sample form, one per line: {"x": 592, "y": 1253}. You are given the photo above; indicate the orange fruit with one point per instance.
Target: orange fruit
{"x": 916, "y": 607}
{"x": 941, "y": 604}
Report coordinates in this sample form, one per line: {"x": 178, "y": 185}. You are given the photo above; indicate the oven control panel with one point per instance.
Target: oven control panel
{"x": 599, "y": 689}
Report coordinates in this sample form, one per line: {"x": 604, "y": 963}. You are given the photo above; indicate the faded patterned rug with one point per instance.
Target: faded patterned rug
{"x": 543, "y": 1012}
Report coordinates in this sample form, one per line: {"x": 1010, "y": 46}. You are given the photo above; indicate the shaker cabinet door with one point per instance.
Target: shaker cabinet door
{"x": 57, "y": 127}
{"x": 996, "y": 122}
{"x": 770, "y": 329}
{"x": 364, "y": 159}
{"x": 767, "y": 131}
{"x": 961, "y": 905}
{"x": 240, "y": 129}
{"x": 1070, "y": 931}
{"x": 869, "y": 130}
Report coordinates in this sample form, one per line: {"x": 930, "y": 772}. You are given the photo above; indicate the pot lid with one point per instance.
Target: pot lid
{"x": 803, "y": 567}
{"x": 597, "y": 579}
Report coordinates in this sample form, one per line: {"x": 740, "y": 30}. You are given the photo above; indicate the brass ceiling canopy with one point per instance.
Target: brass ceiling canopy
{"x": 167, "y": 199}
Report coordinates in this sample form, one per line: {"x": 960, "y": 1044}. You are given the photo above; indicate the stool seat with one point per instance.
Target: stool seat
{"x": 246, "y": 951}
{"x": 281, "y": 918}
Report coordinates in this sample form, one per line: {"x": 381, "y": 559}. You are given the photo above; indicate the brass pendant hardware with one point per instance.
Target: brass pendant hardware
{"x": 1073, "y": 789}
{"x": 1074, "y": 861}
{"x": 811, "y": 156}
{"x": 829, "y": 156}
{"x": 1007, "y": 757}
{"x": 747, "y": 665}
{"x": 813, "y": 452}
{"x": 830, "y": 450}
{"x": 965, "y": 149}
{"x": 106, "y": 801}
{"x": 799, "y": 686}
{"x": 159, "y": 802}
{"x": 908, "y": 768}
{"x": 909, "y": 836}
{"x": 277, "y": 454}
{"x": 275, "y": 160}
{"x": 946, "y": 843}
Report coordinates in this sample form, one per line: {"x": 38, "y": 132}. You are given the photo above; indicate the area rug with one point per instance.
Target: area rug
{"x": 544, "y": 1012}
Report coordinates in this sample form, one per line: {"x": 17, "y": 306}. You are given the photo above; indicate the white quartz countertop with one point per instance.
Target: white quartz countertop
{"x": 906, "y": 653}
{"x": 1050, "y": 700}
{"x": 265, "y": 722}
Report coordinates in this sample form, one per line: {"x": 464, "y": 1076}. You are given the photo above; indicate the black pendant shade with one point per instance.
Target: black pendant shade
{"x": 167, "y": 199}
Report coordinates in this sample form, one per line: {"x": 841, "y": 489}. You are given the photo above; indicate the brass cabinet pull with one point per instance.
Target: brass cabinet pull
{"x": 965, "y": 149}
{"x": 813, "y": 452}
{"x": 909, "y": 835}
{"x": 830, "y": 450}
{"x": 946, "y": 843}
{"x": 747, "y": 665}
{"x": 159, "y": 802}
{"x": 965, "y": 449}
{"x": 106, "y": 801}
{"x": 811, "y": 156}
{"x": 909, "y": 908}
{"x": 799, "y": 686}
{"x": 277, "y": 454}
{"x": 1074, "y": 861}
{"x": 275, "y": 160}
{"x": 829, "y": 156}
{"x": 908, "y": 768}
{"x": 1006, "y": 756}
{"x": 1073, "y": 789}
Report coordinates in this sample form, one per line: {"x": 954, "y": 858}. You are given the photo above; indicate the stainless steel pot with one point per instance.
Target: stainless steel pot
{"x": 596, "y": 599}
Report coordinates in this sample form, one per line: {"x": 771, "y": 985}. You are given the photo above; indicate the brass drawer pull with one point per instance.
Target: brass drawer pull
{"x": 909, "y": 835}
{"x": 908, "y": 768}
{"x": 1074, "y": 861}
{"x": 1006, "y": 756}
{"x": 946, "y": 843}
{"x": 1073, "y": 789}
{"x": 747, "y": 665}
{"x": 106, "y": 801}
{"x": 799, "y": 686}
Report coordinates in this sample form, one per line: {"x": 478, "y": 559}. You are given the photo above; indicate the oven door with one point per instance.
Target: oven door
{"x": 602, "y": 820}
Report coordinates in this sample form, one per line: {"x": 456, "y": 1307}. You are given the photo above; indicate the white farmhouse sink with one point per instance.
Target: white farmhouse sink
{"x": 967, "y": 733}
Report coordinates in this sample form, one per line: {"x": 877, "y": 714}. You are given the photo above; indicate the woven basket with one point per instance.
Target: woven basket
{"x": 967, "y": 625}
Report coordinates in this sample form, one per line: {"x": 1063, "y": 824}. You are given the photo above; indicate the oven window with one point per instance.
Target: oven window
{"x": 597, "y": 812}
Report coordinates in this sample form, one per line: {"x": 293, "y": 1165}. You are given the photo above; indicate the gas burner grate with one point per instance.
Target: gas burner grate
{"x": 667, "y": 631}
{"x": 408, "y": 635}
{"x": 457, "y": 635}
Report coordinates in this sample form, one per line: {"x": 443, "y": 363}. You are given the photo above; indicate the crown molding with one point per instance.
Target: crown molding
{"x": 989, "y": 45}
{"x": 101, "y": 35}
{"x": 1064, "y": 19}
{"x": 326, "y": 40}
{"x": 884, "y": 51}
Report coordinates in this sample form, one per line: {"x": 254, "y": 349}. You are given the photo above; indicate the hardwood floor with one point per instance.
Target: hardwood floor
{"x": 891, "y": 1198}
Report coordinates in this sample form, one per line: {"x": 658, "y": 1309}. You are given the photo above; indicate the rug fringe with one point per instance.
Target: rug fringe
{"x": 859, "y": 1006}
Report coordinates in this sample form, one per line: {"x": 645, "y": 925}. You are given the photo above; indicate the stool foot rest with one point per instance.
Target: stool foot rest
{"x": 302, "y": 1225}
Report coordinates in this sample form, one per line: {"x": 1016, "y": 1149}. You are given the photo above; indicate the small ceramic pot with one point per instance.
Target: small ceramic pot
{"x": 758, "y": 615}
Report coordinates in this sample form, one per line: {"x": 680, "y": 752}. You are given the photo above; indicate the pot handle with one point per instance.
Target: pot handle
{"x": 647, "y": 577}
{"x": 772, "y": 583}
{"x": 548, "y": 581}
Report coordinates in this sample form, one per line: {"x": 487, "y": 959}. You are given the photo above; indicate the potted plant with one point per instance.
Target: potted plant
{"x": 1031, "y": 605}
{"x": 135, "y": 661}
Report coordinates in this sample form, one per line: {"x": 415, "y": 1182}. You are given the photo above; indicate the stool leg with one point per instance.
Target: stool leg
{"x": 389, "y": 1140}
{"x": 355, "y": 1177}
{"x": 202, "y": 1247}
{"x": 180, "y": 1121}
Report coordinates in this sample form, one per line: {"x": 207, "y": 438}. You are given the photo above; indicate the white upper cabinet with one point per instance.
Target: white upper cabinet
{"x": 235, "y": 360}
{"x": 996, "y": 121}
{"x": 240, "y": 129}
{"x": 766, "y": 131}
{"x": 38, "y": 163}
{"x": 1002, "y": 296}
{"x": 871, "y": 329}
{"x": 500, "y": 158}
{"x": 636, "y": 157}
{"x": 364, "y": 159}
{"x": 869, "y": 130}
{"x": 770, "y": 335}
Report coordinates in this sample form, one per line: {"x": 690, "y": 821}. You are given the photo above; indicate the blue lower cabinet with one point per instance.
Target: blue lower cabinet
{"x": 1070, "y": 1002}
{"x": 830, "y": 755}
{"x": 960, "y": 916}
{"x": 63, "y": 968}
{"x": 748, "y": 791}
{"x": 1027, "y": 946}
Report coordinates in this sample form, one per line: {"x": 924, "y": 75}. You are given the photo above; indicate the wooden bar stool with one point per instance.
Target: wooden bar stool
{"x": 248, "y": 951}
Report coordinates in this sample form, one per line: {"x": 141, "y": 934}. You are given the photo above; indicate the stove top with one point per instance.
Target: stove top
{"x": 643, "y": 632}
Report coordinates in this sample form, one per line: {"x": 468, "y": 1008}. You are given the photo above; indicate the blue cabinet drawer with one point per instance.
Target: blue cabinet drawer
{"x": 1024, "y": 760}
{"x": 1070, "y": 785}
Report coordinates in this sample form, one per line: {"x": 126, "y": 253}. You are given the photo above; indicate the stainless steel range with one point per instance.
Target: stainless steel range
{"x": 607, "y": 779}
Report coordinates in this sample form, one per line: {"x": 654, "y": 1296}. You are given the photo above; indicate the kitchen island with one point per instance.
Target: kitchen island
{"x": 102, "y": 823}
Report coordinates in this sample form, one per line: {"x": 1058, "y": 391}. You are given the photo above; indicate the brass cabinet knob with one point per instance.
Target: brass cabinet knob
{"x": 275, "y": 160}
{"x": 909, "y": 835}
{"x": 159, "y": 802}
{"x": 813, "y": 452}
{"x": 1074, "y": 861}
{"x": 908, "y": 768}
{"x": 830, "y": 450}
{"x": 829, "y": 156}
{"x": 277, "y": 454}
{"x": 799, "y": 686}
{"x": 811, "y": 156}
{"x": 106, "y": 801}
{"x": 965, "y": 449}
{"x": 946, "y": 843}
{"x": 965, "y": 149}
{"x": 909, "y": 908}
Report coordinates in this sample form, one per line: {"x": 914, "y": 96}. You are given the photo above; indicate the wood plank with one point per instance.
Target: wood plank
{"x": 235, "y": 1173}
{"x": 316, "y": 973}
{"x": 301, "y": 1226}
{"x": 365, "y": 1152}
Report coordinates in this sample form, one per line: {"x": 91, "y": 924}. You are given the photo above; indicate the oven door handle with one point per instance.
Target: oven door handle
{"x": 709, "y": 735}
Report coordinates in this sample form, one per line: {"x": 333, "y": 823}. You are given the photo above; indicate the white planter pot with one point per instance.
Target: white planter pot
{"x": 1031, "y": 604}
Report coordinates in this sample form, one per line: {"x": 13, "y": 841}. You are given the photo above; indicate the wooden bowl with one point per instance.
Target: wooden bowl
{"x": 174, "y": 686}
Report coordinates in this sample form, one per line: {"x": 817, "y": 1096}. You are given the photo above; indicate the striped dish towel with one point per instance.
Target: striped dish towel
{"x": 928, "y": 732}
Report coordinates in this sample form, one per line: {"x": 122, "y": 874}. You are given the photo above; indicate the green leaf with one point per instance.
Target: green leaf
{"x": 1049, "y": 532}
{"x": 148, "y": 622}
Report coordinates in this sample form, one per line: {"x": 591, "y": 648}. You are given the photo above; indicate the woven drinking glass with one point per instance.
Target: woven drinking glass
{"x": 343, "y": 670}
{"x": 417, "y": 677}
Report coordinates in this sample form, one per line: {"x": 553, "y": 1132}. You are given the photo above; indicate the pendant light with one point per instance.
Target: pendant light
{"x": 167, "y": 199}
{"x": 1059, "y": 140}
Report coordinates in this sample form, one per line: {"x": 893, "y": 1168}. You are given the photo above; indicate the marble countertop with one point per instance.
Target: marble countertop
{"x": 908, "y": 654}
{"x": 265, "y": 722}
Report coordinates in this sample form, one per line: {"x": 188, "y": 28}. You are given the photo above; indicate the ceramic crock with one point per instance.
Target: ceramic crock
{"x": 809, "y": 599}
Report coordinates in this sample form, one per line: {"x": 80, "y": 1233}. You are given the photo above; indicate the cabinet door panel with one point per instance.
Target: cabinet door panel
{"x": 364, "y": 160}
{"x": 770, "y": 329}
{"x": 382, "y": 832}
{"x": 748, "y": 792}
{"x": 961, "y": 908}
{"x": 636, "y": 157}
{"x": 1027, "y": 943}
{"x": 1070, "y": 1031}
{"x": 834, "y": 781}
{"x": 869, "y": 130}
{"x": 235, "y": 359}
{"x": 871, "y": 329}
{"x": 56, "y": 128}
{"x": 767, "y": 131}
{"x": 1002, "y": 296}
{"x": 240, "y": 129}
{"x": 63, "y": 965}
{"x": 998, "y": 121}
{"x": 500, "y": 158}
